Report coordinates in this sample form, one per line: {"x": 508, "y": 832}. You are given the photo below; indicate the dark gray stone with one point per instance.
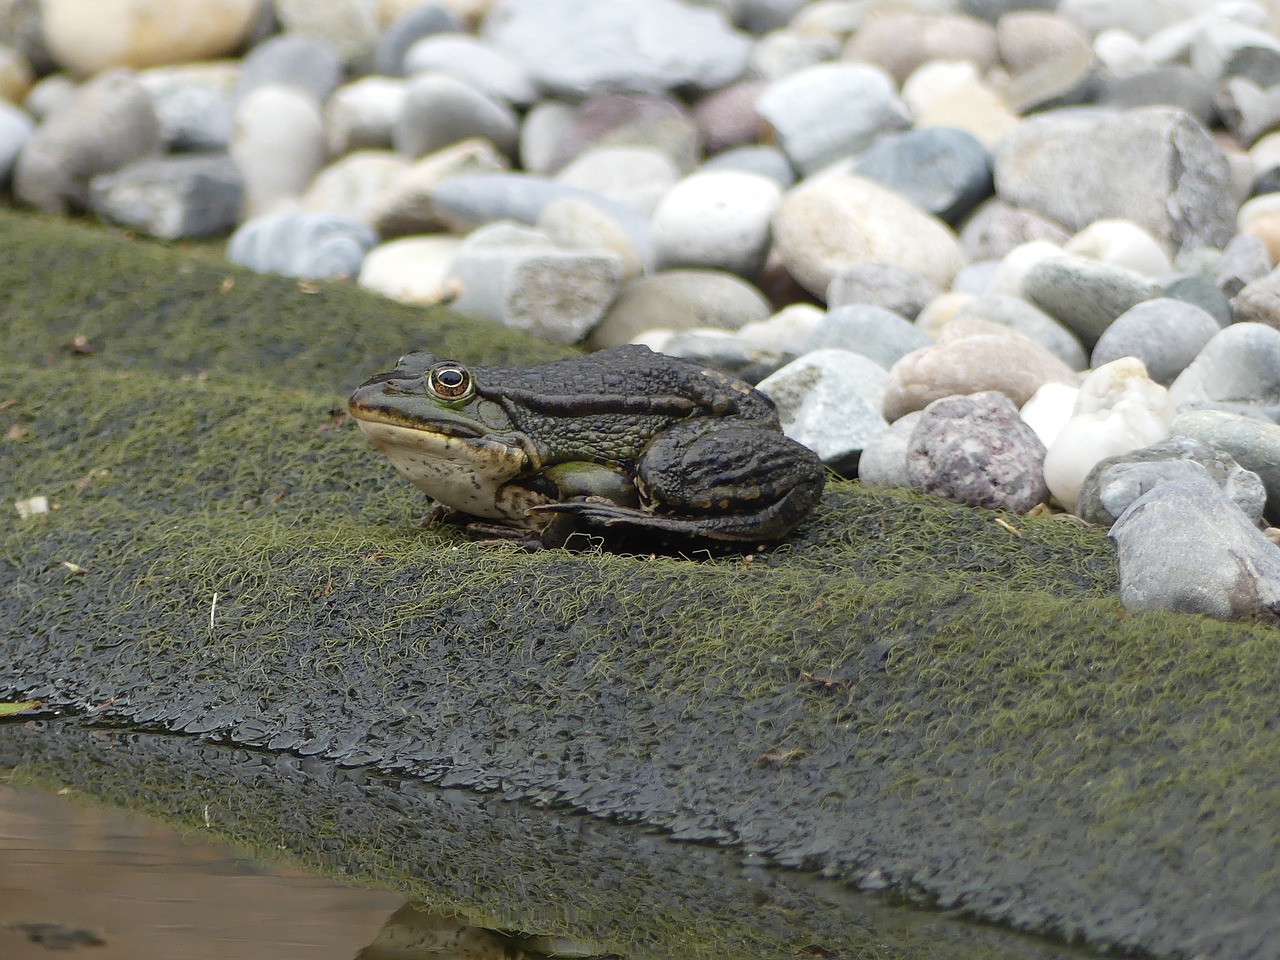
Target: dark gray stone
{"x": 874, "y": 332}
{"x": 944, "y": 171}
{"x": 1165, "y": 334}
{"x": 406, "y": 30}
{"x": 316, "y": 246}
{"x": 976, "y": 450}
{"x": 439, "y": 111}
{"x": 883, "y": 284}
{"x": 1185, "y": 546}
{"x": 1202, "y": 292}
{"x": 1085, "y": 295}
{"x": 109, "y": 122}
{"x": 1115, "y": 482}
{"x": 303, "y": 62}
{"x": 1174, "y": 86}
{"x": 193, "y": 195}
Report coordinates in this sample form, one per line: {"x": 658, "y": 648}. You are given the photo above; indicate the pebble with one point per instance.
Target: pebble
{"x": 976, "y": 450}
{"x": 475, "y": 63}
{"x": 900, "y": 42}
{"x": 679, "y": 300}
{"x": 1243, "y": 260}
{"x": 942, "y": 170}
{"x": 1141, "y": 18}
{"x": 765, "y": 160}
{"x": 575, "y": 222}
{"x": 1025, "y": 318}
{"x": 303, "y": 62}
{"x": 1155, "y": 166}
{"x": 784, "y": 52}
{"x": 883, "y": 463}
{"x": 1174, "y": 85}
{"x": 1185, "y": 546}
{"x": 1085, "y": 295}
{"x": 1259, "y": 301}
{"x": 1165, "y": 334}
{"x": 109, "y": 122}
{"x": 576, "y": 48}
{"x": 439, "y": 111}
{"x": 784, "y": 332}
{"x": 1049, "y": 409}
{"x": 172, "y": 197}
{"x": 362, "y": 115}
{"x": 621, "y": 120}
{"x": 952, "y": 94}
{"x": 348, "y": 27}
{"x": 830, "y": 401}
{"x": 825, "y": 225}
{"x": 313, "y": 246}
{"x": 1004, "y": 361}
{"x": 1239, "y": 364}
{"x": 1115, "y": 482}
{"x": 412, "y": 269}
{"x": 516, "y": 276}
{"x": 1203, "y": 293}
{"x": 406, "y": 206}
{"x": 717, "y": 219}
{"x": 278, "y": 144}
{"x": 996, "y": 228}
{"x": 727, "y": 118}
{"x": 831, "y": 111}
{"x": 87, "y": 37}
{"x": 357, "y": 185}
{"x": 874, "y": 332}
{"x": 193, "y": 105}
{"x": 1253, "y": 443}
{"x": 1122, "y": 243}
{"x": 884, "y": 285}
{"x": 419, "y": 21}
{"x": 1118, "y": 409}
{"x": 719, "y": 349}
{"x": 1029, "y": 38}
{"x": 637, "y": 177}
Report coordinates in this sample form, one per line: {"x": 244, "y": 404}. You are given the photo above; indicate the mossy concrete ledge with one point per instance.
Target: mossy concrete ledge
{"x": 908, "y": 696}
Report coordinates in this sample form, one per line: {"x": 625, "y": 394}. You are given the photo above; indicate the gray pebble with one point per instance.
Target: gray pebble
{"x": 1204, "y": 293}
{"x": 110, "y": 122}
{"x": 1252, "y": 443}
{"x": 172, "y": 197}
{"x": 1069, "y": 78}
{"x": 627, "y": 120}
{"x": 362, "y": 115}
{"x": 944, "y": 171}
{"x": 194, "y": 114}
{"x": 724, "y": 351}
{"x": 1027, "y": 319}
{"x": 784, "y": 52}
{"x": 303, "y": 62}
{"x": 439, "y": 111}
{"x": 995, "y": 228}
{"x": 679, "y": 300}
{"x": 831, "y": 111}
{"x": 874, "y": 332}
{"x": 1259, "y": 301}
{"x": 1156, "y": 166}
{"x": 976, "y": 450}
{"x": 518, "y": 277}
{"x": 1185, "y": 546}
{"x": 1115, "y": 482}
{"x": 547, "y": 126}
{"x": 765, "y": 160}
{"x": 761, "y": 16}
{"x": 16, "y": 129}
{"x": 830, "y": 401}
{"x": 1175, "y": 86}
{"x": 49, "y": 95}
{"x": 884, "y": 458}
{"x": 976, "y": 278}
{"x": 1085, "y": 295}
{"x": 1165, "y": 334}
{"x": 1244, "y": 260}
{"x": 576, "y": 49}
{"x": 637, "y": 177}
{"x": 716, "y": 219}
{"x": 475, "y": 63}
{"x": 883, "y": 284}
{"x": 407, "y": 29}
{"x": 1240, "y": 364}
{"x": 314, "y": 246}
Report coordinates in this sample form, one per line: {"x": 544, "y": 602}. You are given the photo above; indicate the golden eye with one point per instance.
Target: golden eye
{"x": 449, "y": 381}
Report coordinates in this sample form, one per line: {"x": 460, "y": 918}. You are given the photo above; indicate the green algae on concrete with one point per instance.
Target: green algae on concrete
{"x": 907, "y": 695}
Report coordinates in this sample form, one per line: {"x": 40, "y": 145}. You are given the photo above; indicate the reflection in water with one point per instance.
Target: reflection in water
{"x": 72, "y": 874}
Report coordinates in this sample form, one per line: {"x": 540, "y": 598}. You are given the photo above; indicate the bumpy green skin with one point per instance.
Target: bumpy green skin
{"x": 621, "y": 437}
{"x": 905, "y": 694}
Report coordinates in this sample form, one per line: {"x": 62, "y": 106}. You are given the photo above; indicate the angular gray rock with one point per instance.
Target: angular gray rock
{"x": 1185, "y": 546}
{"x": 575, "y": 48}
{"x": 315, "y": 246}
{"x": 944, "y": 171}
{"x": 1156, "y": 166}
{"x": 976, "y": 450}
{"x": 1252, "y": 443}
{"x": 1115, "y": 482}
{"x": 171, "y": 197}
{"x": 1165, "y": 334}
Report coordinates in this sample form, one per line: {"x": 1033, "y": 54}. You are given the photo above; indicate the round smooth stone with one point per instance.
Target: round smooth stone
{"x": 1163, "y": 333}
{"x": 407, "y": 206}
{"x": 884, "y": 285}
{"x": 638, "y": 177}
{"x": 476, "y": 63}
{"x": 110, "y": 122}
{"x": 942, "y": 170}
{"x": 581, "y": 224}
{"x": 421, "y": 20}
{"x": 784, "y": 52}
{"x": 679, "y": 300}
{"x": 873, "y": 332}
{"x": 172, "y": 197}
{"x": 1244, "y": 260}
{"x": 573, "y": 49}
{"x": 624, "y": 120}
{"x": 1121, "y": 243}
{"x": 830, "y": 400}
{"x": 1239, "y": 364}
{"x": 1029, "y": 38}
{"x": 901, "y": 42}
{"x": 883, "y": 463}
{"x": 303, "y": 62}
{"x": 1049, "y": 409}
{"x": 362, "y": 115}
{"x": 996, "y": 228}
{"x": 439, "y": 111}
{"x": 952, "y": 94}
{"x": 976, "y": 450}
{"x": 786, "y": 331}
{"x": 412, "y": 269}
{"x": 315, "y": 246}
{"x": 1085, "y": 295}
{"x": 831, "y": 111}
{"x": 279, "y": 145}
{"x": 1006, "y": 361}
{"x": 760, "y": 159}
{"x": 1185, "y": 546}
{"x": 717, "y": 219}
{"x": 829, "y": 224}
{"x": 349, "y": 27}
{"x": 1204, "y": 294}
{"x": 1252, "y": 443}
{"x": 87, "y": 37}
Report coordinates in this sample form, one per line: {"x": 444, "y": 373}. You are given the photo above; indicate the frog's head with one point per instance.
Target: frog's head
{"x": 428, "y": 418}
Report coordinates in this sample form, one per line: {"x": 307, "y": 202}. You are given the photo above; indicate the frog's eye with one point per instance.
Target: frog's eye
{"x": 449, "y": 381}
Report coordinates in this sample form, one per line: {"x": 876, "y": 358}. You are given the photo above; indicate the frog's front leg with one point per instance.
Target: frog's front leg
{"x": 724, "y": 481}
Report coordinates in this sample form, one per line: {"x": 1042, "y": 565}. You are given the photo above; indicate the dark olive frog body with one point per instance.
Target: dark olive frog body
{"x": 620, "y": 437}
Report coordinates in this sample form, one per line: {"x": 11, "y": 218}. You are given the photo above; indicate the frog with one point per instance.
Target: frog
{"x": 624, "y": 438}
